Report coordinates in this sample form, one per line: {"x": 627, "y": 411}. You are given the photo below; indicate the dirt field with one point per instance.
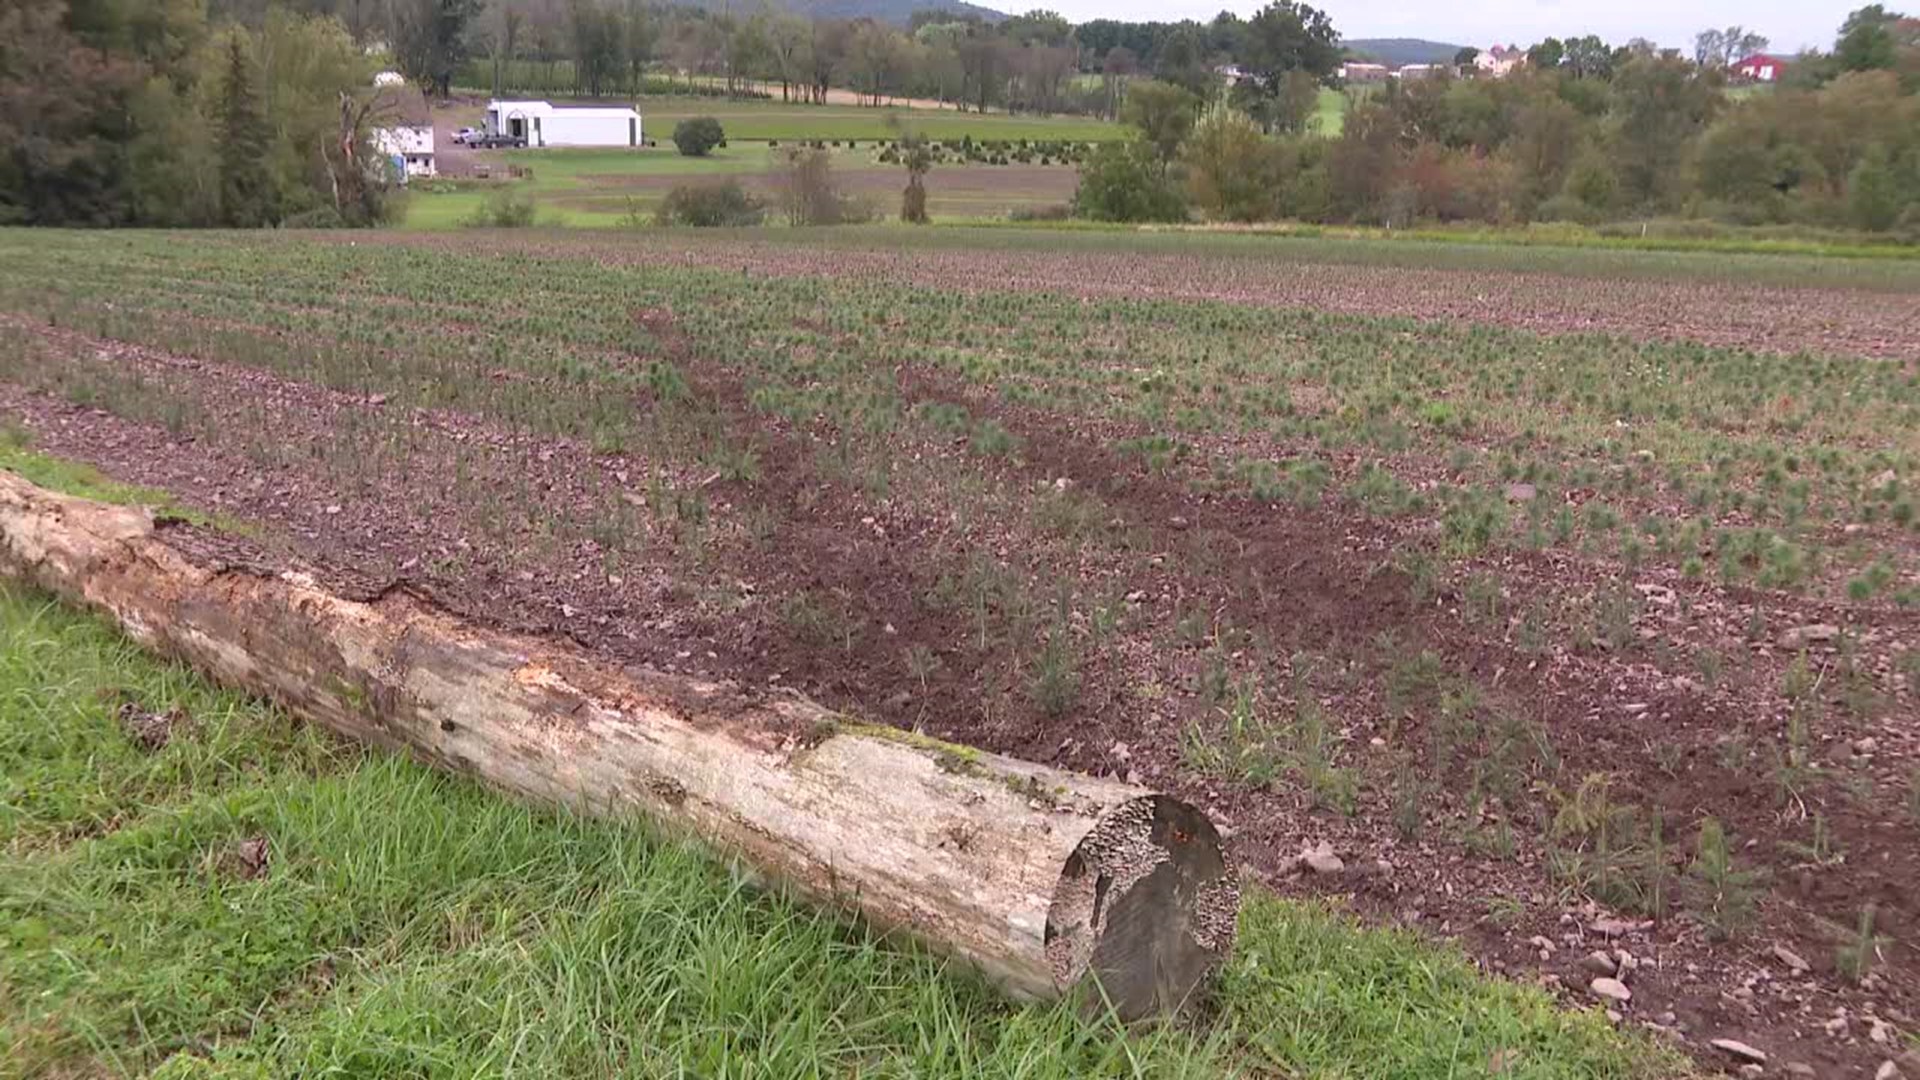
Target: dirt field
{"x": 964, "y": 191}
{"x": 1515, "y": 589}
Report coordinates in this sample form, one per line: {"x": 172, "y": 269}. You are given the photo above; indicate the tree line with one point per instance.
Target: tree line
{"x": 160, "y": 113}
{"x": 1584, "y": 133}
{"x": 1024, "y": 63}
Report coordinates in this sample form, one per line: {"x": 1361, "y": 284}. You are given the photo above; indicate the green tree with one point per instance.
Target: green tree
{"x": 1547, "y": 55}
{"x": 1230, "y": 167}
{"x": 1592, "y": 181}
{"x": 247, "y": 197}
{"x": 62, "y": 159}
{"x": 1866, "y": 40}
{"x": 1163, "y": 113}
{"x": 696, "y": 136}
{"x": 1588, "y": 58}
{"x": 1125, "y": 181}
{"x": 1660, "y": 109}
{"x": 1874, "y": 195}
{"x": 430, "y": 40}
{"x": 1282, "y": 38}
{"x": 599, "y": 46}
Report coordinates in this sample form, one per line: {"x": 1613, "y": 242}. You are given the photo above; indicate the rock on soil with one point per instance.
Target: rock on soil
{"x": 1611, "y": 990}
{"x": 1814, "y": 633}
{"x": 1322, "y": 860}
{"x": 1790, "y": 958}
{"x": 1740, "y": 1050}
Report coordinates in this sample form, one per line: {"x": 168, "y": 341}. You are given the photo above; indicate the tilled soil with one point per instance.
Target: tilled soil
{"x": 1759, "y": 317}
{"x": 810, "y": 580}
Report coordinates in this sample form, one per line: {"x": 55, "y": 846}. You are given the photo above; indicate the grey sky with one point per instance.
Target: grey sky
{"x": 1789, "y": 23}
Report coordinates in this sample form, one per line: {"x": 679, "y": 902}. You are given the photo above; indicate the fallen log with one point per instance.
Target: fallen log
{"x": 1048, "y": 882}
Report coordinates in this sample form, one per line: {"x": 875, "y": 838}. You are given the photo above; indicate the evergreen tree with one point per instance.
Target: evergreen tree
{"x": 246, "y": 184}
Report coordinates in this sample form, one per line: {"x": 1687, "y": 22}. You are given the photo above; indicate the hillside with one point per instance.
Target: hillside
{"x": 1394, "y": 52}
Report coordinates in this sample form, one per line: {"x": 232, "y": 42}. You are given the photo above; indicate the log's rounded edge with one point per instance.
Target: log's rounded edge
{"x": 1144, "y": 911}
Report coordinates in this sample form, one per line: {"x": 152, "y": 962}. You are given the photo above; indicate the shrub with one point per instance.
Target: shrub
{"x": 1123, "y": 182}
{"x": 809, "y": 194}
{"x": 504, "y": 209}
{"x": 697, "y": 136}
{"x": 320, "y": 217}
{"x": 1874, "y": 196}
{"x": 712, "y": 204}
{"x": 1047, "y": 212}
{"x": 1230, "y": 166}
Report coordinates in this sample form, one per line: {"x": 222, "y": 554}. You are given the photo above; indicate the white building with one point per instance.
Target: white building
{"x": 1357, "y": 71}
{"x": 1499, "y": 60}
{"x": 542, "y": 124}
{"x": 403, "y": 131}
{"x": 1420, "y": 71}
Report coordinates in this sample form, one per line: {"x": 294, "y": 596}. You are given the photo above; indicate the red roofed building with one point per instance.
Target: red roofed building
{"x": 1760, "y": 68}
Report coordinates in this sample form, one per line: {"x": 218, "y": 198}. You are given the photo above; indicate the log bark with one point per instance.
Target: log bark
{"x": 1050, "y": 883}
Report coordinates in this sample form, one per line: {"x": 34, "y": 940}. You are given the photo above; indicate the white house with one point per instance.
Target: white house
{"x": 1420, "y": 71}
{"x": 403, "y": 131}
{"x": 1358, "y": 71}
{"x": 1499, "y": 60}
{"x": 543, "y": 124}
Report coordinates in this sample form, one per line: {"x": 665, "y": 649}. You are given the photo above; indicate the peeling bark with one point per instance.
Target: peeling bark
{"x": 1048, "y": 882}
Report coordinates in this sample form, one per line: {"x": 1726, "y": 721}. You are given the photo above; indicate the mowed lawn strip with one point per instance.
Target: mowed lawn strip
{"x": 253, "y": 898}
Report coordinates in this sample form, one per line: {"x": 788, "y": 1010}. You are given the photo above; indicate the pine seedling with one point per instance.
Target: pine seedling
{"x": 1720, "y": 894}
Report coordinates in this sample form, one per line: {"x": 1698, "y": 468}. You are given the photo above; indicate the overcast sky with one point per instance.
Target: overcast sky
{"x": 1789, "y": 23}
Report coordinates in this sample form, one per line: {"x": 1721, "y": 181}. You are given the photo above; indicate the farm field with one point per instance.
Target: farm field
{"x": 1572, "y": 598}
{"x": 603, "y": 187}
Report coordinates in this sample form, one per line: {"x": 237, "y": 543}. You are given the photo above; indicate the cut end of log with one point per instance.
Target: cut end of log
{"x": 1144, "y": 911}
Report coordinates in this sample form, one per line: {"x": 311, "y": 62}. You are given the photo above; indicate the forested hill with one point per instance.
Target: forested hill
{"x": 1394, "y": 52}
{"x": 896, "y": 12}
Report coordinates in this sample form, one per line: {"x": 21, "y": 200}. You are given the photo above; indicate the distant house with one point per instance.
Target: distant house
{"x": 404, "y": 131}
{"x": 543, "y": 124}
{"x": 1760, "y": 68}
{"x": 1357, "y": 72}
{"x": 1500, "y": 60}
{"x": 1421, "y": 71}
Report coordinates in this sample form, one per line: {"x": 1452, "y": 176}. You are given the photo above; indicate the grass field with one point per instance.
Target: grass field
{"x": 758, "y": 120}
{"x": 252, "y": 899}
{"x": 602, "y": 188}
{"x": 1572, "y": 596}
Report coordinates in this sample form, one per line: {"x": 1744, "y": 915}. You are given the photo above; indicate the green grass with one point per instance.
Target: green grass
{"x": 74, "y": 478}
{"x": 1330, "y": 116}
{"x": 409, "y": 923}
{"x": 587, "y": 187}
{"x": 752, "y": 120}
